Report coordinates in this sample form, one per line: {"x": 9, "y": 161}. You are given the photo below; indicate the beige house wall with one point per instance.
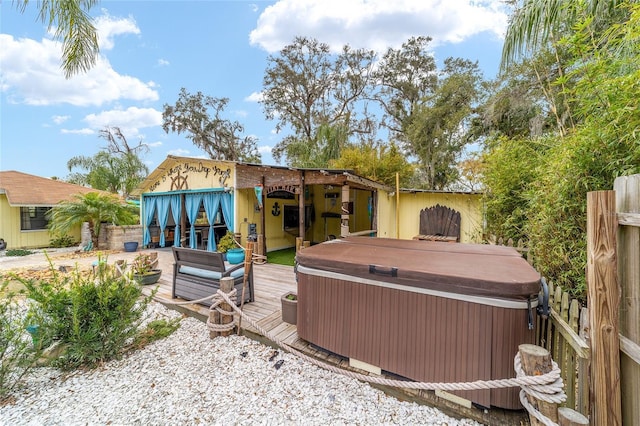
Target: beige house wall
{"x": 16, "y": 238}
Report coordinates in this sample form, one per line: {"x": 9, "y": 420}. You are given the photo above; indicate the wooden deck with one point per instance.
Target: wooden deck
{"x": 270, "y": 283}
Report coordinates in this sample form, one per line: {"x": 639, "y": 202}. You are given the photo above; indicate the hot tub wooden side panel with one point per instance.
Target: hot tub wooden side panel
{"x": 421, "y": 337}
{"x": 510, "y": 330}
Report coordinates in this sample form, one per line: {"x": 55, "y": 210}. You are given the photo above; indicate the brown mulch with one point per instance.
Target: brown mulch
{"x": 44, "y": 272}
{"x": 39, "y": 273}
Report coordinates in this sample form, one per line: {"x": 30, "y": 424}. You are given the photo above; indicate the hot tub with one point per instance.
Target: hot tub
{"x": 426, "y": 311}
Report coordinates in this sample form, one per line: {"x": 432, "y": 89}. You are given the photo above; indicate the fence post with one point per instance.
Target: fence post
{"x": 569, "y": 417}
{"x": 536, "y": 361}
{"x": 226, "y": 285}
{"x": 604, "y": 304}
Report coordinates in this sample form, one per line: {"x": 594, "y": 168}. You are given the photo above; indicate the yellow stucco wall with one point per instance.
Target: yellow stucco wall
{"x": 319, "y": 230}
{"x": 16, "y": 238}
{"x": 199, "y": 174}
{"x": 469, "y": 206}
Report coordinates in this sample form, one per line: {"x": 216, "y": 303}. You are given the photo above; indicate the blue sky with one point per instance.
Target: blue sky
{"x": 150, "y": 49}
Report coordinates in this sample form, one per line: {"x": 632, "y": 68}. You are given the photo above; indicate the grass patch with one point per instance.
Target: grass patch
{"x": 19, "y": 252}
{"x": 282, "y": 257}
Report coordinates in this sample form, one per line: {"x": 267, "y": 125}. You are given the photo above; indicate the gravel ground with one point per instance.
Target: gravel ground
{"x": 189, "y": 378}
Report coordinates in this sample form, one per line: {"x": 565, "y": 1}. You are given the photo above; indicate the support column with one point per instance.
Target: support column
{"x": 344, "y": 216}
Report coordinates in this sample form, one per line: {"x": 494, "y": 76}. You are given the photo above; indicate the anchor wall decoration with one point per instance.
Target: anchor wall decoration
{"x": 276, "y": 209}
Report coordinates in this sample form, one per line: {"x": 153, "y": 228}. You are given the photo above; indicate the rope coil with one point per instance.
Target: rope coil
{"x": 219, "y": 298}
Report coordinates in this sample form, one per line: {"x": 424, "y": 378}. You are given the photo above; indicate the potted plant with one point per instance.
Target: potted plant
{"x": 290, "y": 307}
{"x": 144, "y": 268}
{"x": 226, "y": 243}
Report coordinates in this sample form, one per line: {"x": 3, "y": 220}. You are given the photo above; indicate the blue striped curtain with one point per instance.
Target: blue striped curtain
{"x": 192, "y": 204}
{"x": 149, "y": 208}
{"x": 176, "y": 211}
{"x": 162, "y": 204}
{"x": 211, "y": 202}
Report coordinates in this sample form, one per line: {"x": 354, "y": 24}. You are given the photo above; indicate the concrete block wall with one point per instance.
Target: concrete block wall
{"x": 113, "y": 237}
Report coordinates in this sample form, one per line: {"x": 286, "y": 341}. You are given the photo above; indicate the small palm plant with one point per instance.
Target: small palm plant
{"x": 93, "y": 208}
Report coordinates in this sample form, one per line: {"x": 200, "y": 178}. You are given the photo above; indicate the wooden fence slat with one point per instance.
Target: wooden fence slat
{"x": 627, "y": 189}
{"x": 604, "y": 302}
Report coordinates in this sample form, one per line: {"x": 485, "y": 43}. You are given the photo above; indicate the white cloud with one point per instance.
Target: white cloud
{"x": 154, "y": 144}
{"x": 179, "y": 152}
{"x": 376, "y": 24}
{"x": 31, "y": 74}
{"x": 84, "y": 131}
{"x": 163, "y": 63}
{"x": 130, "y": 121}
{"x": 254, "y": 97}
{"x": 59, "y": 119}
{"x": 265, "y": 149}
{"x": 108, "y": 27}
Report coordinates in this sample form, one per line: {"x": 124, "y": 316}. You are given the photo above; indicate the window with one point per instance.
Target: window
{"x": 33, "y": 218}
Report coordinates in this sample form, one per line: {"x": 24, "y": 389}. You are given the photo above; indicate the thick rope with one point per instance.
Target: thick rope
{"x": 524, "y": 381}
{"x": 552, "y": 392}
{"x": 546, "y": 387}
{"x": 229, "y": 298}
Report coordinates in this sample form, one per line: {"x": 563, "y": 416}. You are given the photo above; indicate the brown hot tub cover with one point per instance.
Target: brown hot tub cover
{"x": 471, "y": 269}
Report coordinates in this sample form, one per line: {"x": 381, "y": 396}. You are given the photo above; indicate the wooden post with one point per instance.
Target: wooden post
{"x": 301, "y": 218}
{"x": 397, "y": 205}
{"x": 569, "y": 417}
{"x": 604, "y": 305}
{"x": 298, "y": 243}
{"x": 536, "y": 361}
{"x": 248, "y": 259}
{"x": 226, "y": 285}
{"x": 344, "y": 215}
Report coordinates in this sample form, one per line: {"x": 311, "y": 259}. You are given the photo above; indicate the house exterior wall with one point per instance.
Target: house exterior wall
{"x": 199, "y": 174}
{"x": 16, "y": 238}
{"x": 469, "y": 206}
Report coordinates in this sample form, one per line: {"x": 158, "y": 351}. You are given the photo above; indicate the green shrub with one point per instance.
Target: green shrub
{"x": 18, "y": 352}
{"x": 19, "y": 252}
{"x": 95, "y": 316}
{"x": 62, "y": 241}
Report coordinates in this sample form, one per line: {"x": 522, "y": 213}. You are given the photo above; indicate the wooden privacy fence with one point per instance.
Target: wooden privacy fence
{"x": 600, "y": 363}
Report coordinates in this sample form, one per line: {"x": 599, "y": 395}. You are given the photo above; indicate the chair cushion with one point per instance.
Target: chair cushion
{"x": 203, "y": 273}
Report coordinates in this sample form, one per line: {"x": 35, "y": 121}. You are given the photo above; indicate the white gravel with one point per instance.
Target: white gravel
{"x": 189, "y": 378}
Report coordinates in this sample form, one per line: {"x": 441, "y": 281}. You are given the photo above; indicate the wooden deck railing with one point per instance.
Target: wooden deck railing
{"x": 565, "y": 335}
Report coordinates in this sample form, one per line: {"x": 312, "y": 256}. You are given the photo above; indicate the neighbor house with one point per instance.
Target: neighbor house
{"x": 24, "y": 202}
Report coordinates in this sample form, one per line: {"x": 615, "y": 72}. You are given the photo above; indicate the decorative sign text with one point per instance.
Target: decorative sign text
{"x": 189, "y": 169}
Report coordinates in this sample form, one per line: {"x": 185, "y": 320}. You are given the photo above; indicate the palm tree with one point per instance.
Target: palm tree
{"x": 535, "y": 22}
{"x": 74, "y": 27}
{"x": 94, "y": 208}
{"x": 108, "y": 172}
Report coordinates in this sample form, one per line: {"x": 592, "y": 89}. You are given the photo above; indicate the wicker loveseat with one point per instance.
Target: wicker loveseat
{"x": 197, "y": 274}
